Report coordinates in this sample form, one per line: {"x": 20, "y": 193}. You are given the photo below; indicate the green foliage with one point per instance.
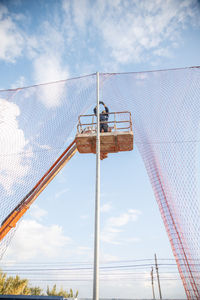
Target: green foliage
{"x": 36, "y": 291}
{"x": 61, "y": 292}
{"x": 13, "y": 285}
{"x": 72, "y": 295}
{"x": 17, "y": 286}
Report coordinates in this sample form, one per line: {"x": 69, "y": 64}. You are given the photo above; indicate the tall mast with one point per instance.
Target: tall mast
{"x": 97, "y": 203}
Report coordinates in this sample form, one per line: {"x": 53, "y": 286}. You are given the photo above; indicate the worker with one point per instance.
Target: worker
{"x": 103, "y": 117}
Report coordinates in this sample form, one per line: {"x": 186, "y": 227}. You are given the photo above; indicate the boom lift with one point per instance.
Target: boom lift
{"x": 118, "y": 138}
{"x": 12, "y": 219}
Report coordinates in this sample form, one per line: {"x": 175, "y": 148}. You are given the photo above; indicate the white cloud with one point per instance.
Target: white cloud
{"x": 81, "y": 13}
{"x": 123, "y": 219}
{"x": 126, "y": 29}
{"x": 163, "y": 52}
{"x": 12, "y": 41}
{"x": 48, "y": 68}
{"x": 21, "y": 82}
{"x": 46, "y": 51}
{"x": 106, "y": 207}
{"x": 37, "y": 212}
{"x": 113, "y": 227}
{"x": 49, "y": 40}
{"x": 34, "y": 240}
{"x": 44, "y": 48}
{"x": 129, "y": 29}
{"x": 130, "y": 36}
{"x": 12, "y": 145}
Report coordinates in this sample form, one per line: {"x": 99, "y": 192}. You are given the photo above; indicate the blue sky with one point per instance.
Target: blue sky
{"x": 43, "y": 41}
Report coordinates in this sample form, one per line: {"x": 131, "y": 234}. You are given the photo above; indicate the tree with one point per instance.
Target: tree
{"x": 36, "y": 291}
{"x": 13, "y": 285}
{"x": 2, "y": 282}
{"x": 72, "y": 295}
{"x": 63, "y": 293}
{"x": 17, "y": 286}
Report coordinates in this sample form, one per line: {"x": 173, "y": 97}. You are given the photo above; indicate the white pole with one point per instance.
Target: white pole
{"x": 97, "y": 205}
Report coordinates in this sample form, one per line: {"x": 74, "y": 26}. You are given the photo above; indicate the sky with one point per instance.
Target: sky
{"x": 44, "y": 41}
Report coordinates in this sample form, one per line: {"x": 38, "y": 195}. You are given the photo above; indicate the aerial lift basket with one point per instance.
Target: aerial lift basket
{"x": 118, "y": 138}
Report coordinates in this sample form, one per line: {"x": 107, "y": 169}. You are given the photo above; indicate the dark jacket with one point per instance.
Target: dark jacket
{"x": 103, "y": 117}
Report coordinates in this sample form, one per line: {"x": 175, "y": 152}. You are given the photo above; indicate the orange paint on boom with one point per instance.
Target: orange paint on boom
{"x": 12, "y": 219}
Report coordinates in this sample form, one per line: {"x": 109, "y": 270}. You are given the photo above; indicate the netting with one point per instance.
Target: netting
{"x": 38, "y": 122}
{"x": 36, "y": 125}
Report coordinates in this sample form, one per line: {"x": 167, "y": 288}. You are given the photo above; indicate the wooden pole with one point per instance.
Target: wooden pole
{"x": 156, "y": 265}
{"x": 152, "y": 283}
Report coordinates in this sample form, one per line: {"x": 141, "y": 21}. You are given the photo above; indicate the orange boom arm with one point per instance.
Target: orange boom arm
{"x": 12, "y": 219}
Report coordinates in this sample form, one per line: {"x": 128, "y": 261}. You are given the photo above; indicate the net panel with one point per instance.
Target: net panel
{"x": 36, "y": 125}
{"x": 38, "y": 122}
{"x": 166, "y": 113}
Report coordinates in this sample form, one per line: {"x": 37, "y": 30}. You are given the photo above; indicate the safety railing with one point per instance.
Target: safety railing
{"x": 118, "y": 119}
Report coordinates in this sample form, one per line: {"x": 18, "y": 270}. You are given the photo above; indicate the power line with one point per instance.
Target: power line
{"x": 106, "y": 279}
{"x": 90, "y": 263}
{"x": 89, "y": 268}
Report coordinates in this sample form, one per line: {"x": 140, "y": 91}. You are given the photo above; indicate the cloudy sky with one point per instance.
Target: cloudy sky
{"x": 44, "y": 41}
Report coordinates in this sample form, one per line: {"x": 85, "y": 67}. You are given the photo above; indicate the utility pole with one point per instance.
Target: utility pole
{"x": 152, "y": 283}
{"x": 156, "y": 265}
{"x": 97, "y": 204}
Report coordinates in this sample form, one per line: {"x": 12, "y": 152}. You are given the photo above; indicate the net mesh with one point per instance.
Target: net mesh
{"x": 36, "y": 125}
{"x": 38, "y": 122}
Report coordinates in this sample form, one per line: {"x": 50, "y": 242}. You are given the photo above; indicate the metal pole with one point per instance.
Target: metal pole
{"x": 152, "y": 283}
{"x": 97, "y": 205}
{"x": 156, "y": 264}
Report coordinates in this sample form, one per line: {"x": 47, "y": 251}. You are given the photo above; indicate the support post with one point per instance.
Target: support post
{"x": 156, "y": 264}
{"x": 97, "y": 203}
{"x": 152, "y": 283}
